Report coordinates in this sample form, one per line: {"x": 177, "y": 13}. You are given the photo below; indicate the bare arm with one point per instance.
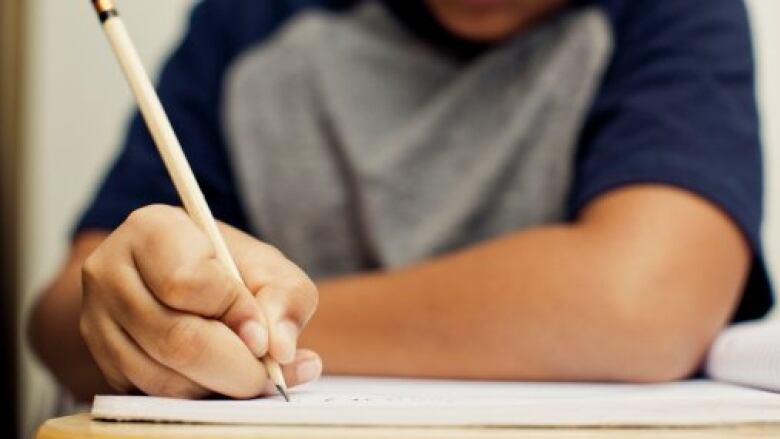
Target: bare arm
{"x": 54, "y": 325}
{"x": 634, "y": 291}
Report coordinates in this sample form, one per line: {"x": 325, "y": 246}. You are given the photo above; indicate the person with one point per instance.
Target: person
{"x": 472, "y": 189}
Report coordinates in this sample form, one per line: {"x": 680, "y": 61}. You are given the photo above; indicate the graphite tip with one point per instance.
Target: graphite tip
{"x": 283, "y": 392}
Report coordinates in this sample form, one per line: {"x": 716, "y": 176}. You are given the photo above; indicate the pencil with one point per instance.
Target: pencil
{"x": 170, "y": 149}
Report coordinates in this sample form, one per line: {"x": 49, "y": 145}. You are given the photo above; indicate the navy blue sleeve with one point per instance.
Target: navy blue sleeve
{"x": 190, "y": 88}
{"x": 678, "y": 107}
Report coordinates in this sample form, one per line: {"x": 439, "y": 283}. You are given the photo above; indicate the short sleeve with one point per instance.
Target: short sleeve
{"x": 678, "y": 107}
{"x": 190, "y": 89}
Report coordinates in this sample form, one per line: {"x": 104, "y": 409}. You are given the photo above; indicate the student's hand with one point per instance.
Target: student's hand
{"x": 161, "y": 315}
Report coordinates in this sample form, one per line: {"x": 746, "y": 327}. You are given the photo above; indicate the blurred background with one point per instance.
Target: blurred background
{"x": 63, "y": 109}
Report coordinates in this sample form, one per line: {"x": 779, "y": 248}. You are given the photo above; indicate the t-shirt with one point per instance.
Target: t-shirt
{"x": 360, "y": 134}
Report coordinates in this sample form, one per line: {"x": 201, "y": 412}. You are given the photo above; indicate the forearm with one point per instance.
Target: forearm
{"x": 496, "y": 311}
{"x": 54, "y": 331}
{"x": 560, "y": 303}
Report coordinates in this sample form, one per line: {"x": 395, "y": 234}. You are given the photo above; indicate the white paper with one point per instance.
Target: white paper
{"x": 391, "y": 402}
{"x": 748, "y": 354}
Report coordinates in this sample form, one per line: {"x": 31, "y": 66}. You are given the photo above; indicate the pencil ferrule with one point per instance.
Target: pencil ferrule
{"x": 105, "y": 9}
{"x": 104, "y": 16}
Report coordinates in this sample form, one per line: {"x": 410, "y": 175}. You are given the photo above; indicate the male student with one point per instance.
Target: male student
{"x": 489, "y": 189}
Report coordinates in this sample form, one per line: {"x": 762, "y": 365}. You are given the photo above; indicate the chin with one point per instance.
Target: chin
{"x": 488, "y": 20}
{"x": 475, "y": 32}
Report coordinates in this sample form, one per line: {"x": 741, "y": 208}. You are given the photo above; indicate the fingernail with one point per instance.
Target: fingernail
{"x": 255, "y": 337}
{"x": 309, "y": 370}
{"x": 286, "y": 337}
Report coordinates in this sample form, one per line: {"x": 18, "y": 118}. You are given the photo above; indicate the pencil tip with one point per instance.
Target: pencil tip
{"x": 283, "y": 392}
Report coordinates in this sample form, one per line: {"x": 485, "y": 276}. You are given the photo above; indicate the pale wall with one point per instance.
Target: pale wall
{"x": 78, "y": 103}
{"x": 764, "y": 14}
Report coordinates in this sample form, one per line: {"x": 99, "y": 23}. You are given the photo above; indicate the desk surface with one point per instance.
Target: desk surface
{"x": 82, "y": 427}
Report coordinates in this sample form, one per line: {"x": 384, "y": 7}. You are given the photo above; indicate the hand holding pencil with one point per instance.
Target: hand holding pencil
{"x": 177, "y": 305}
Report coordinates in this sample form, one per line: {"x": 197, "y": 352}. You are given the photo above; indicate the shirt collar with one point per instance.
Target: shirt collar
{"x": 417, "y": 17}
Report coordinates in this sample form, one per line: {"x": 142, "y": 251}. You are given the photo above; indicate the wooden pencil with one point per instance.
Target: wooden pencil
{"x": 170, "y": 149}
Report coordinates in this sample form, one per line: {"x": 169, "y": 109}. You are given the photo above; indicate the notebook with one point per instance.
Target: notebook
{"x": 355, "y": 401}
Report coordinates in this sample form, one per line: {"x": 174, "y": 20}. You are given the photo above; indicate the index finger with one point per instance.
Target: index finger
{"x": 203, "y": 350}
{"x": 178, "y": 264}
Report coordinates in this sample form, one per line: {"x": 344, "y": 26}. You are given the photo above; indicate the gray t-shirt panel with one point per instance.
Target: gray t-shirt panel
{"x": 358, "y": 146}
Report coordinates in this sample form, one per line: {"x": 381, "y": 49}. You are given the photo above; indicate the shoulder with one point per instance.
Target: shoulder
{"x": 637, "y": 21}
{"x": 628, "y": 11}
{"x": 662, "y": 43}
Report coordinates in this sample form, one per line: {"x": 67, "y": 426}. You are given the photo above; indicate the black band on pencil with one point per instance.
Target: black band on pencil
{"x": 105, "y": 15}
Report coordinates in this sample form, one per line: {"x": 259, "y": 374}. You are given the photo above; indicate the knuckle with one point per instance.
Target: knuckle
{"x": 150, "y": 214}
{"x": 155, "y": 220}
{"x": 271, "y": 251}
{"x": 101, "y": 284}
{"x": 307, "y": 296}
{"x": 232, "y": 293}
{"x": 157, "y": 226}
{"x": 102, "y": 288}
{"x": 140, "y": 217}
{"x": 183, "y": 344}
{"x": 90, "y": 271}
{"x": 179, "y": 285}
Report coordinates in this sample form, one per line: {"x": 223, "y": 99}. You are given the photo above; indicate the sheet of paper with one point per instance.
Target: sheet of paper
{"x": 391, "y": 402}
{"x": 748, "y": 354}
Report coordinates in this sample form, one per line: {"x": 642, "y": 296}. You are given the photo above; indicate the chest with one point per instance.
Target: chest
{"x": 359, "y": 146}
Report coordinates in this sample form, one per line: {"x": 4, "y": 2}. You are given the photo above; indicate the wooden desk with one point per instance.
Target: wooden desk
{"x": 82, "y": 427}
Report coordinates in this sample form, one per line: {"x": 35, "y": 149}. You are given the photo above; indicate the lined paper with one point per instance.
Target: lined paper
{"x": 397, "y": 402}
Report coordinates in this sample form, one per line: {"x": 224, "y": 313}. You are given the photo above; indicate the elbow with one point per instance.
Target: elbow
{"x": 663, "y": 323}
{"x": 658, "y": 366}
{"x": 649, "y": 354}
{"x": 662, "y": 355}
{"x": 661, "y": 342}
